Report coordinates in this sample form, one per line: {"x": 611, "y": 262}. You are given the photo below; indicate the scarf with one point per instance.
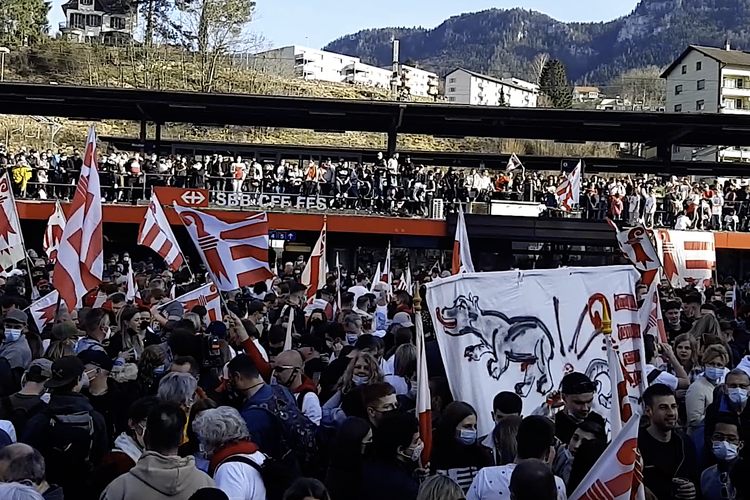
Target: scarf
{"x": 245, "y": 447}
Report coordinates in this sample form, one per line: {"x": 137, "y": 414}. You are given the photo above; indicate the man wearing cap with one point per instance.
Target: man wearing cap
{"x": 104, "y": 393}
{"x": 578, "y": 397}
{"x": 70, "y": 435}
{"x": 21, "y": 406}
{"x": 15, "y": 347}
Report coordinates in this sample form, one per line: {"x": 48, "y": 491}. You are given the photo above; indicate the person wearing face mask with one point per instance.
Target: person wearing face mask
{"x": 15, "y": 348}
{"x": 536, "y": 441}
{"x": 128, "y": 447}
{"x": 700, "y": 394}
{"x": 391, "y": 470}
{"x": 456, "y": 452}
{"x": 289, "y": 372}
{"x": 733, "y": 400}
{"x": 362, "y": 369}
{"x": 96, "y": 324}
{"x": 725, "y": 446}
{"x": 68, "y": 453}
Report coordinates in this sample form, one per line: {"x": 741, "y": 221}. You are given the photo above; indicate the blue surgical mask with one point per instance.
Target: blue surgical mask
{"x": 467, "y": 436}
{"x": 358, "y": 380}
{"x": 713, "y": 374}
{"x": 12, "y": 334}
{"x": 725, "y": 451}
{"x": 351, "y": 338}
{"x": 738, "y": 396}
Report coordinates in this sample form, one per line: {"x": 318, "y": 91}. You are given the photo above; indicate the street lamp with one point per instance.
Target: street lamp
{"x": 3, "y": 51}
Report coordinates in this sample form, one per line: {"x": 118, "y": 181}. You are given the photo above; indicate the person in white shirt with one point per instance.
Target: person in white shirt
{"x": 360, "y": 288}
{"x": 289, "y": 371}
{"x": 536, "y": 441}
{"x": 683, "y": 222}
{"x": 649, "y": 208}
{"x": 234, "y": 458}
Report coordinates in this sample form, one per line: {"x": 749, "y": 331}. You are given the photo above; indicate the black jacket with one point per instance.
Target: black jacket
{"x": 391, "y": 480}
{"x": 656, "y": 476}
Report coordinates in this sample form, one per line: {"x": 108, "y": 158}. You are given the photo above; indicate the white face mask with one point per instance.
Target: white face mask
{"x": 108, "y": 333}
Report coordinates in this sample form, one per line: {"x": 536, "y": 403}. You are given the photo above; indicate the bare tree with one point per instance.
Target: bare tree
{"x": 644, "y": 87}
{"x": 537, "y": 66}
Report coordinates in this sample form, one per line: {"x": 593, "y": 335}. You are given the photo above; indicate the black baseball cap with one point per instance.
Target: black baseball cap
{"x": 97, "y": 358}
{"x": 577, "y": 383}
{"x": 64, "y": 371}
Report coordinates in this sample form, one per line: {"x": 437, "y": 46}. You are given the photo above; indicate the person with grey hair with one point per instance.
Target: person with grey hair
{"x": 20, "y": 463}
{"x": 195, "y": 319}
{"x": 18, "y": 491}
{"x": 178, "y": 388}
{"x": 353, "y": 327}
{"x": 234, "y": 458}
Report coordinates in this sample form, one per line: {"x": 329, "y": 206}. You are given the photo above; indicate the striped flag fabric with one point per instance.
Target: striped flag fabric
{"x": 569, "y": 192}
{"x": 375, "y": 278}
{"x": 156, "y": 233}
{"x": 618, "y": 474}
{"x": 54, "y": 232}
{"x": 235, "y": 254}
{"x": 132, "y": 291}
{"x": 80, "y": 260}
{"x": 11, "y": 238}
{"x": 423, "y": 408}
{"x": 462, "y": 262}
{"x": 513, "y": 163}
{"x": 652, "y": 322}
{"x": 43, "y": 310}
{"x": 386, "y": 276}
{"x": 689, "y": 257}
{"x": 314, "y": 274}
{"x": 207, "y": 296}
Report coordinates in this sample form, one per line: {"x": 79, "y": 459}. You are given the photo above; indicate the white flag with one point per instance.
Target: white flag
{"x": 462, "y": 262}
{"x": 513, "y": 163}
{"x": 156, "y": 233}
{"x": 636, "y": 244}
{"x": 569, "y": 192}
{"x": 54, "y": 232}
{"x": 11, "y": 239}
{"x": 43, "y": 310}
{"x": 206, "y": 296}
{"x": 132, "y": 291}
{"x": 314, "y": 274}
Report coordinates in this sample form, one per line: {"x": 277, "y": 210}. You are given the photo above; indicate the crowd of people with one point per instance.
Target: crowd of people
{"x": 128, "y": 401}
{"x": 393, "y": 185}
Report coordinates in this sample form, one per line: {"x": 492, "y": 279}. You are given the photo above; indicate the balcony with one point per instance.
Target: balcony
{"x": 66, "y": 26}
{"x": 733, "y": 90}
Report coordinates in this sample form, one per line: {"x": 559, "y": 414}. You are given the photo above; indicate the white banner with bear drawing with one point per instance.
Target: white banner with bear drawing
{"x": 522, "y": 331}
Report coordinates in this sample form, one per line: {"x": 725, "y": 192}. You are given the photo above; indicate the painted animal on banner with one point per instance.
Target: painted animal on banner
{"x": 521, "y": 339}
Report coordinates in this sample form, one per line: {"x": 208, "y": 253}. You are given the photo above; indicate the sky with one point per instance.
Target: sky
{"x": 314, "y": 23}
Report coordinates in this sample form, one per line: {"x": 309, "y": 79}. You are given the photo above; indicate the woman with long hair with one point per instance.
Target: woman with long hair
{"x": 686, "y": 351}
{"x": 150, "y": 370}
{"x": 363, "y": 369}
{"x": 128, "y": 342}
{"x": 456, "y": 451}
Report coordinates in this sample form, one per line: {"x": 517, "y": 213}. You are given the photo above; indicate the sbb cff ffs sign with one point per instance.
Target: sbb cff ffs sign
{"x": 184, "y": 197}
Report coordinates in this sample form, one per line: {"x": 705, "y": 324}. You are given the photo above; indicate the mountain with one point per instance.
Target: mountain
{"x": 504, "y": 42}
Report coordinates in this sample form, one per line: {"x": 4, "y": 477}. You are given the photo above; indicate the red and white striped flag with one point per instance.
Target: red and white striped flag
{"x": 80, "y": 257}
{"x": 156, "y": 233}
{"x": 132, "y": 291}
{"x": 618, "y": 474}
{"x": 43, "y": 310}
{"x": 314, "y": 274}
{"x": 405, "y": 283}
{"x": 569, "y": 192}
{"x": 376, "y": 278}
{"x": 386, "y": 274}
{"x": 207, "y": 296}
{"x": 652, "y": 322}
{"x": 54, "y": 232}
{"x": 235, "y": 254}
{"x": 462, "y": 262}
{"x": 424, "y": 407}
{"x": 11, "y": 239}
{"x": 513, "y": 163}
{"x": 688, "y": 257}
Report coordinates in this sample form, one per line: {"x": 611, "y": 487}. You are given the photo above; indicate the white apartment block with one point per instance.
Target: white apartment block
{"x": 304, "y": 62}
{"x": 709, "y": 80}
{"x": 98, "y": 20}
{"x": 371, "y": 76}
{"x": 467, "y": 87}
{"x": 419, "y": 82}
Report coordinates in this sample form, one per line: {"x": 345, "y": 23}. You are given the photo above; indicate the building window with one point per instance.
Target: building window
{"x": 740, "y": 83}
{"x": 678, "y": 108}
{"x": 698, "y": 66}
{"x": 452, "y": 80}
{"x": 86, "y": 2}
{"x": 684, "y": 69}
{"x": 452, "y": 99}
{"x": 678, "y": 89}
{"x": 452, "y": 89}
{"x": 93, "y": 20}
{"x": 701, "y": 84}
{"x": 77, "y": 20}
{"x": 117, "y": 23}
{"x": 738, "y": 104}
{"x": 700, "y": 105}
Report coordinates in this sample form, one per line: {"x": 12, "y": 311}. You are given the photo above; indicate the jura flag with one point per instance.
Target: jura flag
{"x": 314, "y": 274}
{"x": 618, "y": 474}
{"x": 424, "y": 407}
{"x": 11, "y": 240}
{"x": 689, "y": 257}
{"x": 206, "y": 296}
{"x": 461, "y": 252}
{"x": 43, "y": 310}
{"x": 54, "y": 232}
{"x": 156, "y": 233}
{"x": 651, "y": 321}
{"x": 386, "y": 274}
{"x": 636, "y": 244}
{"x": 132, "y": 291}
{"x": 79, "y": 259}
{"x": 375, "y": 278}
{"x": 513, "y": 163}
{"x": 569, "y": 192}
{"x": 235, "y": 254}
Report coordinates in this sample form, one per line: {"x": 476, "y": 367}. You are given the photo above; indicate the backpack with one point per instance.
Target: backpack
{"x": 65, "y": 444}
{"x": 18, "y": 416}
{"x": 277, "y": 477}
{"x": 300, "y": 434}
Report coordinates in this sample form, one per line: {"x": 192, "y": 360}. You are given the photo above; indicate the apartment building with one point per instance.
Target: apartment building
{"x": 468, "y": 87}
{"x": 418, "y": 82}
{"x": 709, "y": 80}
{"x": 304, "y": 62}
{"x": 371, "y": 76}
{"x": 586, "y": 94}
{"x": 98, "y": 20}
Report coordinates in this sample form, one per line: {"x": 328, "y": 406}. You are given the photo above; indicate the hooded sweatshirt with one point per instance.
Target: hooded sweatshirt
{"x": 159, "y": 477}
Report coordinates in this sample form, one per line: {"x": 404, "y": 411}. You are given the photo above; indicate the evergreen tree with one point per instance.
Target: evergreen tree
{"x": 554, "y": 84}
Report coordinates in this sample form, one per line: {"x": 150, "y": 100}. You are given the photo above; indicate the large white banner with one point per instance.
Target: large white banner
{"x": 522, "y": 331}
{"x": 687, "y": 257}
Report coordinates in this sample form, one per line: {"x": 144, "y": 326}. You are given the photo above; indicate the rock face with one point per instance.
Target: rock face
{"x": 505, "y": 42}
